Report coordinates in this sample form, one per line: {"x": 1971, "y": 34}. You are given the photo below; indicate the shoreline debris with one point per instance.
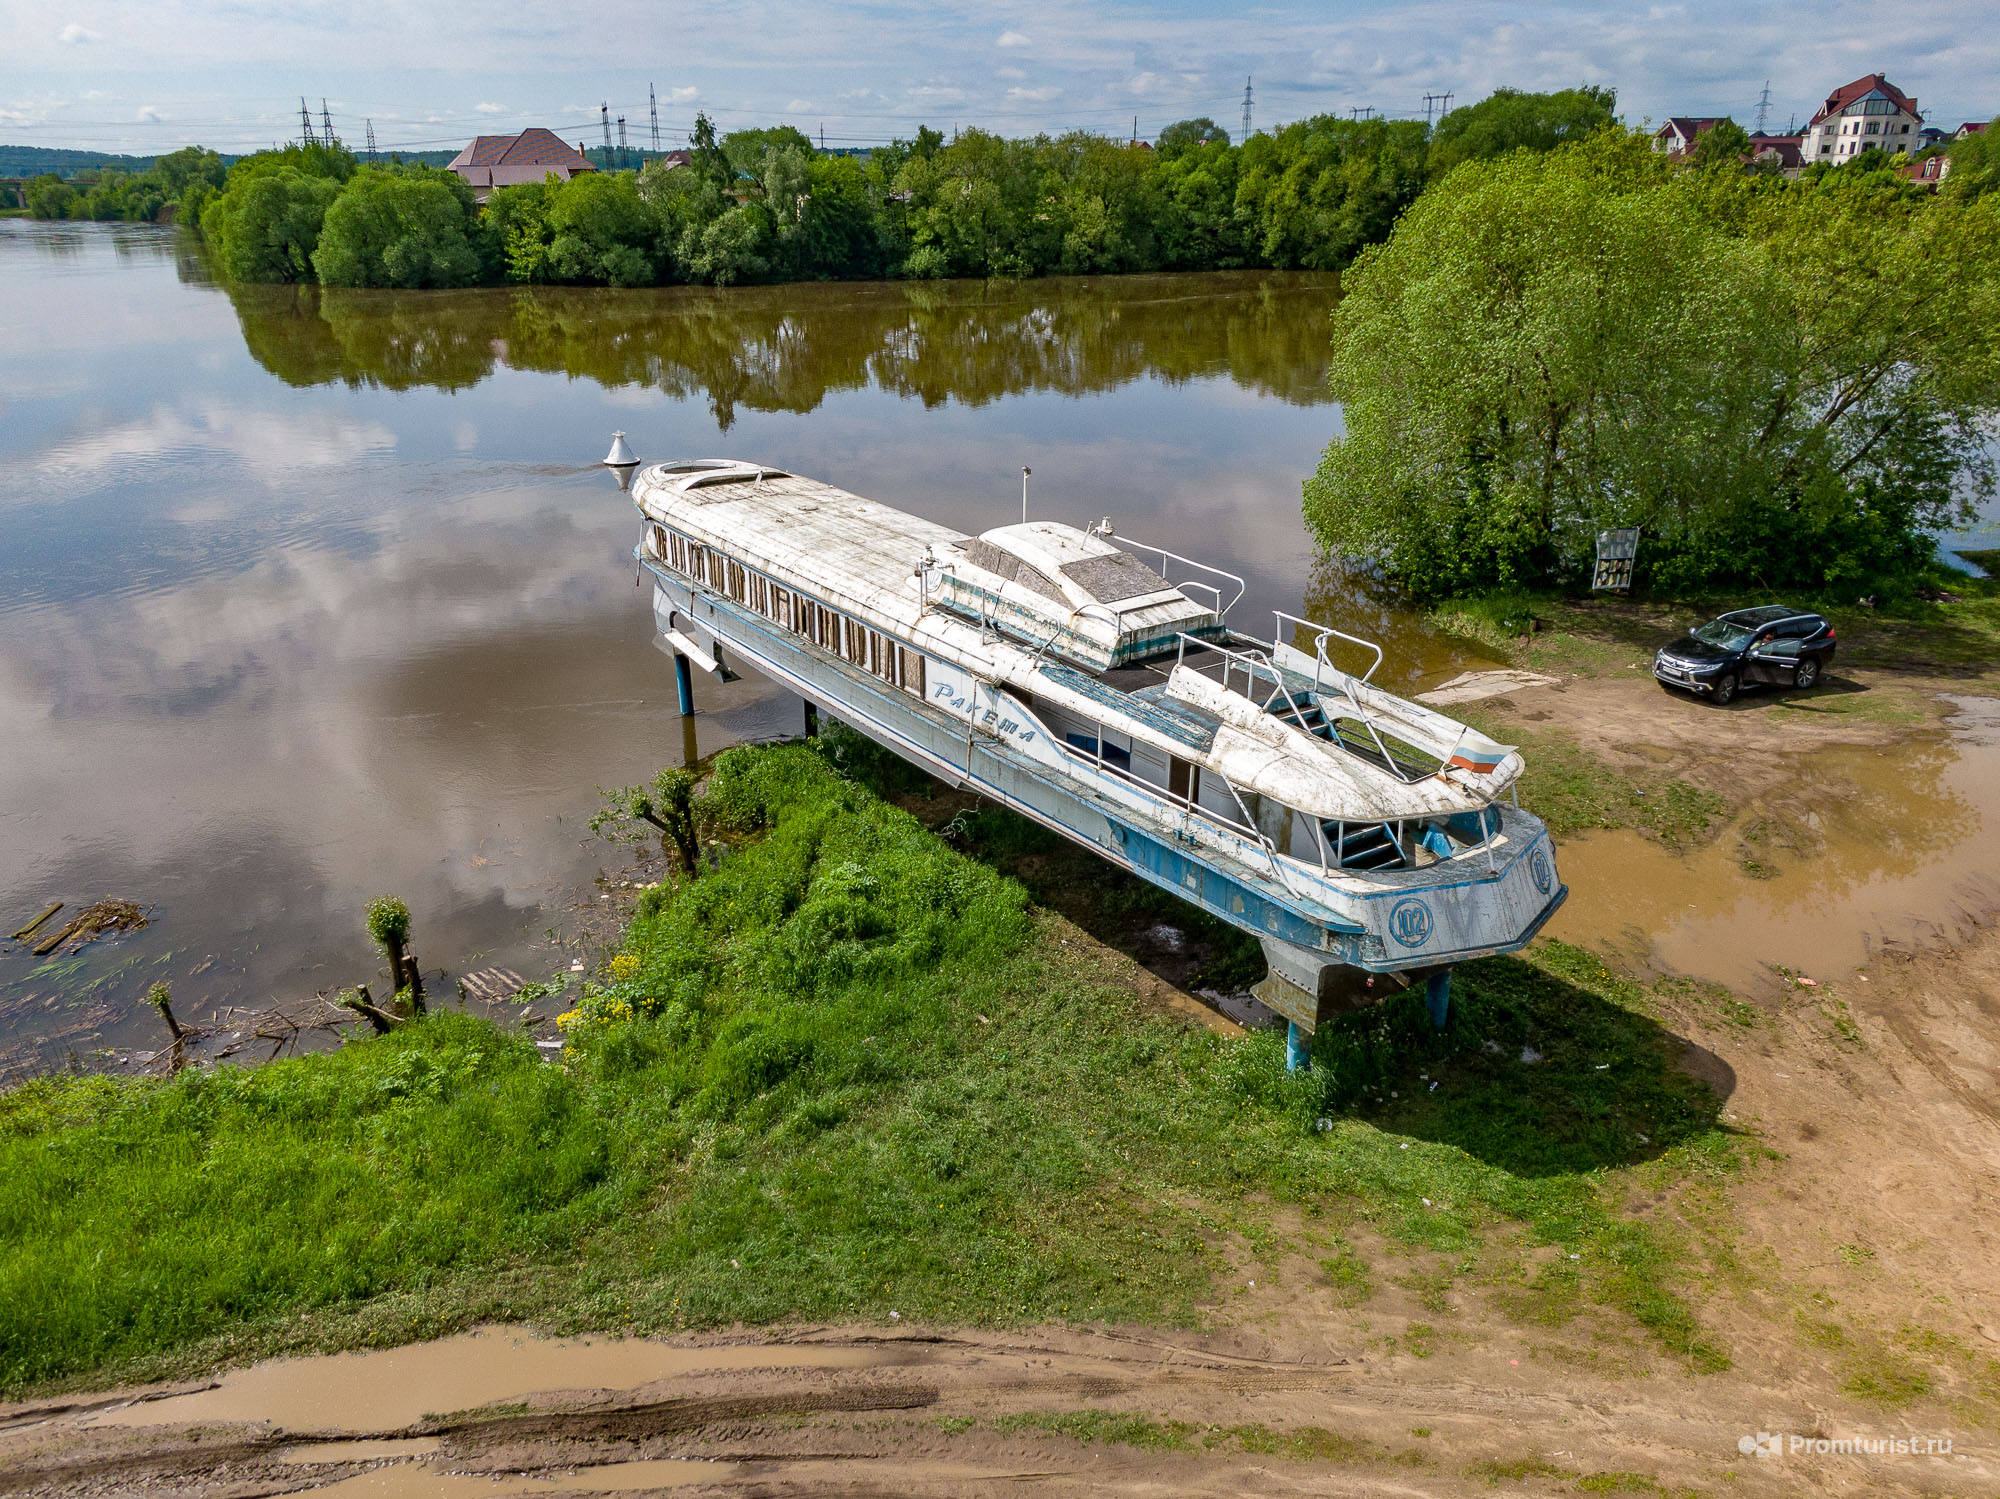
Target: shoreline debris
{"x": 29, "y": 930}
{"x": 93, "y": 921}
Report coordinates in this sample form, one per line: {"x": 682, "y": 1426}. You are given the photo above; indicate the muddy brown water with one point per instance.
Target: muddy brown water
{"x": 391, "y": 1388}
{"x": 1876, "y": 849}
{"x": 305, "y": 597}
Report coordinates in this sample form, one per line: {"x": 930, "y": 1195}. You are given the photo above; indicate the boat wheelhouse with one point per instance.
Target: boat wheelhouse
{"x": 1061, "y": 673}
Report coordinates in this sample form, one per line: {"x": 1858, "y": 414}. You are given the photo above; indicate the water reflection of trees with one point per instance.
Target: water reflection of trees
{"x": 786, "y": 348}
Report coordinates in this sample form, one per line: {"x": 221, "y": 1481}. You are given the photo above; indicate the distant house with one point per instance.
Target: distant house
{"x": 1929, "y": 170}
{"x": 1970, "y": 127}
{"x": 1786, "y": 152}
{"x": 1870, "y": 111}
{"x": 673, "y": 159}
{"x": 1678, "y": 135}
{"x": 509, "y": 160}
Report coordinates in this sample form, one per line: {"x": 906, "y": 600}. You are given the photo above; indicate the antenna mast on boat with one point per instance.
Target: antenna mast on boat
{"x": 1025, "y": 471}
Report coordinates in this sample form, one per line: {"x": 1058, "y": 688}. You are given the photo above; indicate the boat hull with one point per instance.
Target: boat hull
{"x": 1317, "y": 934}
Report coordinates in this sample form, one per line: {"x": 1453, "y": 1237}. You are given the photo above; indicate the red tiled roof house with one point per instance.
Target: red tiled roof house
{"x": 1678, "y": 135}
{"x": 1870, "y": 111}
{"x": 509, "y": 160}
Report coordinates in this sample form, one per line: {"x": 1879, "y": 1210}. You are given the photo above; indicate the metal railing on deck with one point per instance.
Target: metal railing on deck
{"x": 1103, "y": 528}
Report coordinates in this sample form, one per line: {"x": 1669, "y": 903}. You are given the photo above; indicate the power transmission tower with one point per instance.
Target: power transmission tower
{"x": 371, "y": 140}
{"x": 623, "y": 155}
{"x": 1246, "y": 109}
{"x": 604, "y": 117}
{"x": 327, "y": 120}
{"x": 1443, "y": 104}
{"x": 305, "y": 123}
{"x": 1764, "y": 106}
{"x": 1361, "y": 112}
{"x": 653, "y": 102}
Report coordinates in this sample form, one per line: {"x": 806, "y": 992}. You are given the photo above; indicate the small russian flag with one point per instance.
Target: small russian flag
{"x": 1478, "y": 754}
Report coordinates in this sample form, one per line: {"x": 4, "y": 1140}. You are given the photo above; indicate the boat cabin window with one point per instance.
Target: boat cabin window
{"x": 1115, "y": 578}
{"x": 985, "y": 554}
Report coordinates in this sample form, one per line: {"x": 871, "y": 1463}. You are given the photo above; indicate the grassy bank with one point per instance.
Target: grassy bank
{"x": 1950, "y": 631}
{"x": 852, "y": 1071}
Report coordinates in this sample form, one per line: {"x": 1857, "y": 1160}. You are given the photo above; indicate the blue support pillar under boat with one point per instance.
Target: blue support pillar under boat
{"x": 684, "y": 684}
{"x": 1298, "y": 1048}
{"x": 1437, "y": 995}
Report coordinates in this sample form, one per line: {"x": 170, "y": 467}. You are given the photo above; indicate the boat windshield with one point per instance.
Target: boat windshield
{"x": 1722, "y": 633}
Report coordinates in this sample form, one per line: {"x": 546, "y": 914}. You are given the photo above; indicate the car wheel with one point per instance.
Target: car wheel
{"x": 1725, "y": 690}
{"x": 1807, "y": 674}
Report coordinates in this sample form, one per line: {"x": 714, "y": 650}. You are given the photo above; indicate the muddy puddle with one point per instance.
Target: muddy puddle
{"x": 1860, "y": 850}
{"x": 387, "y": 1389}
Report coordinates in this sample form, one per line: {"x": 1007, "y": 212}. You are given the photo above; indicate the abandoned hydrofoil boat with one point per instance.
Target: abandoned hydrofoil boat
{"x": 1055, "y": 671}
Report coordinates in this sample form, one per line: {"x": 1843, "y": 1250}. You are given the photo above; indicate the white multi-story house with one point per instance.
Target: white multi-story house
{"x": 1870, "y": 111}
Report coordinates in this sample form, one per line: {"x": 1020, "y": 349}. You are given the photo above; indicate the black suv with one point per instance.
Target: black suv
{"x": 1732, "y": 651}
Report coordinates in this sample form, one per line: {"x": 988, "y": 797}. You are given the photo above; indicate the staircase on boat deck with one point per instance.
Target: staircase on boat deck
{"x": 1370, "y": 845}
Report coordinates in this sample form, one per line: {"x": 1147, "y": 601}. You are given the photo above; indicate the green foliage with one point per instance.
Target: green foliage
{"x": 1724, "y": 144}
{"x": 408, "y": 228}
{"x": 265, "y": 226}
{"x": 49, "y": 197}
{"x": 1509, "y": 120}
{"x": 776, "y": 1103}
{"x": 764, "y": 205}
{"x": 388, "y": 922}
{"x": 1184, "y": 135}
{"x": 1975, "y": 164}
{"x": 180, "y": 180}
{"x": 1782, "y": 383}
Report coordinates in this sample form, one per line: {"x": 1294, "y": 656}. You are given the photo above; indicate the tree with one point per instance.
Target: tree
{"x": 1723, "y": 144}
{"x": 396, "y": 228}
{"x": 49, "y": 197}
{"x": 1510, "y": 120}
{"x": 1781, "y": 382}
{"x": 265, "y": 227}
{"x": 600, "y": 230}
{"x": 1975, "y": 164}
{"x": 1184, "y": 135}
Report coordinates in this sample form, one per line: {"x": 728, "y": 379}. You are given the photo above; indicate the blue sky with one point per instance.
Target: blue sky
{"x": 147, "y": 75}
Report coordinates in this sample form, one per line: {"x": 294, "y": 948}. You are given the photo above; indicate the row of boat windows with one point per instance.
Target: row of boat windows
{"x": 826, "y": 628}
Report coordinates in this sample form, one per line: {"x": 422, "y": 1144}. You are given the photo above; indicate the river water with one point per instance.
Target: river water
{"x": 305, "y": 598}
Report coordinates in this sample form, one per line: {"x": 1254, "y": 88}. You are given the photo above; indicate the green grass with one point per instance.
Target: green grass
{"x": 1571, "y": 790}
{"x": 777, "y": 1104}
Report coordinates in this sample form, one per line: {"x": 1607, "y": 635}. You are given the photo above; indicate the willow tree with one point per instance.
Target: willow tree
{"x": 1781, "y": 382}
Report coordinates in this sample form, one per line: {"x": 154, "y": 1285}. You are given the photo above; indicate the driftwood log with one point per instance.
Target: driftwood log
{"x": 359, "y": 1000}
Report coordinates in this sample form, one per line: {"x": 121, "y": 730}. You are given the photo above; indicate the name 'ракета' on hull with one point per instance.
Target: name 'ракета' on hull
{"x": 1053, "y": 670}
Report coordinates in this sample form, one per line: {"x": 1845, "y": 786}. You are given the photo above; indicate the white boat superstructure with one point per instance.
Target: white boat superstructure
{"x": 1060, "y": 672}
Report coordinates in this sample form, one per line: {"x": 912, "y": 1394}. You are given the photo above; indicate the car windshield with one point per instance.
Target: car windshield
{"x": 1721, "y": 632}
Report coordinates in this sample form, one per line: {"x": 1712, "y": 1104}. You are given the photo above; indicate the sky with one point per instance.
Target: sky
{"x": 152, "y": 75}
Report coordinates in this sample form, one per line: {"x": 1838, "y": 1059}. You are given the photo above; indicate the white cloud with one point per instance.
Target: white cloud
{"x": 1034, "y": 95}
{"x": 1012, "y": 39}
{"x": 1010, "y": 72}
{"x": 682, "y": 95}
{"x": 490, "y": 109}
{"x": 149, "y": 115}
{"x": 73, "y": 34}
